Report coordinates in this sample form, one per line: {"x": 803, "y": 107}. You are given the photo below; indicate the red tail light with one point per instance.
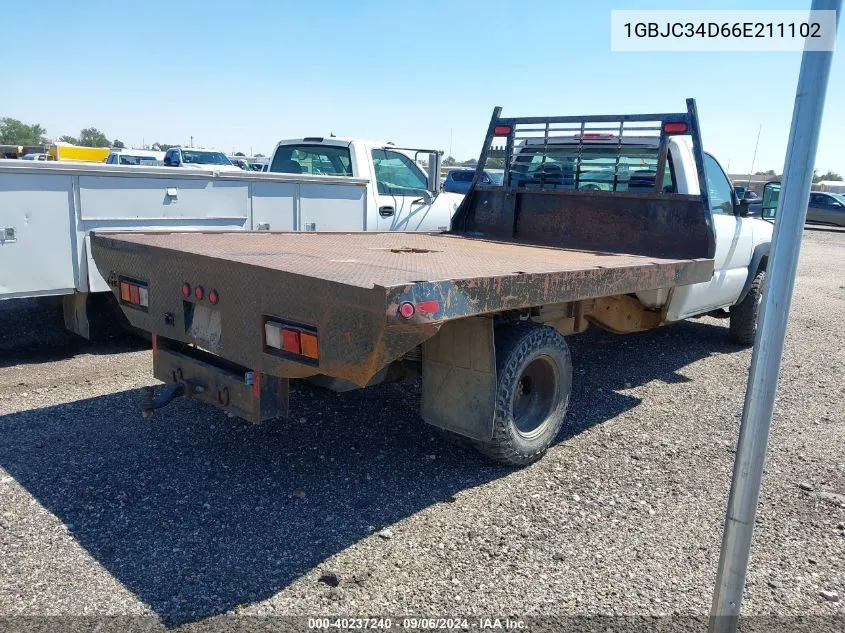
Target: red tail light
{"x": 212, "y": 297}
{"x": 674, "y": 128}
{"x": 186, "y": 289}
{"x": 502, "y": 130}
{"x": 198, "y": 292}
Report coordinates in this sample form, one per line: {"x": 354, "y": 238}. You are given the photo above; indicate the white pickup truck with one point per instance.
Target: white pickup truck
{"x": 405, "y": 197}
{"x": 48, "y": 209}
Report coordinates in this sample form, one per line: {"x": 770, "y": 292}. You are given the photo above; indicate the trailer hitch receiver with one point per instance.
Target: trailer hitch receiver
{"x": 150, "y": 401}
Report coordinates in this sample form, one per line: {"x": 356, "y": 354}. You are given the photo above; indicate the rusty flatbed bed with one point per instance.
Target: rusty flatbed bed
{"x": 387, "y": 260}
{"x": 348, "y": 287}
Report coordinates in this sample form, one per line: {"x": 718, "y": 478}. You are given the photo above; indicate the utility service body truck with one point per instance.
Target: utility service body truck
{"x": 48, "y": 209}
{"x": 618, "y": 221}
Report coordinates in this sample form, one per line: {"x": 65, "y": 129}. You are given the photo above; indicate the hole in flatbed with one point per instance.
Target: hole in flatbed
{"x": 409, "y": 249}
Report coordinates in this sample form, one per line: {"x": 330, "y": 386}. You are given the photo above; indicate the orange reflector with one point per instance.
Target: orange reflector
{"x": 309, "y": 345}
{"x": 290, "y": 341}
{"x": 134, "y": 295}
{"x": 124, "y": 292}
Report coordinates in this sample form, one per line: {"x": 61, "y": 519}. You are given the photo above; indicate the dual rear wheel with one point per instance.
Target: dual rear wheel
{"x": 534, "y": 382}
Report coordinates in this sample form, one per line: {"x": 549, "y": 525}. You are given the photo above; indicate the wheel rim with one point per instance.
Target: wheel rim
{"x": 535, "y": 396}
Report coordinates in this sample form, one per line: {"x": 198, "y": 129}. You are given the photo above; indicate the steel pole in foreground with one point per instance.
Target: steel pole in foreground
{"x": 768, "y": 346}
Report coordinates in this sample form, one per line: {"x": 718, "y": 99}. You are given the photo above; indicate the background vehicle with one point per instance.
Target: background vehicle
{"x": 134, "y": 157}
{"x": 753, "y": 201}
{"x": 198, "y": 158}
{"x": 41, "y": 156}
{"x": 240, "y": 163}
{"x": 459, "y": 180}
{"x": 826, "y": 208}
{"x": 485, "y": 307}
{"x": 823, "y": 207}
{"x": 66, "y": 151}
{"x": 404, "y": 198}
{"x": 40, "y": 256}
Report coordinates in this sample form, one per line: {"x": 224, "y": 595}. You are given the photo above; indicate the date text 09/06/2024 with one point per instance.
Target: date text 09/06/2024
{"x": 417, "y": 624}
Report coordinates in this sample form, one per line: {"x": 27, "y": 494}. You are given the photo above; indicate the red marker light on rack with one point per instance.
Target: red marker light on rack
{"x": 198, "y": 292}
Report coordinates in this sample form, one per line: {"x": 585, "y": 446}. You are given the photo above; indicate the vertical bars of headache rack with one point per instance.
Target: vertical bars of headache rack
{"x": 768, "y": 346}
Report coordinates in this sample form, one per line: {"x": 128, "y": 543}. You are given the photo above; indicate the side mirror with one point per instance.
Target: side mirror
{"x": 741, "y": 209}
{"x": 433, "y": 176}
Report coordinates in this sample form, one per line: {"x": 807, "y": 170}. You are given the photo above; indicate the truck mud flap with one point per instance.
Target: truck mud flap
{"x": 250, "y": 395}
{"x": 459, "y": 378}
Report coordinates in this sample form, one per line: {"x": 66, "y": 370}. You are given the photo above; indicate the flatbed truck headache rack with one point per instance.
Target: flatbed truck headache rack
{"x": 484, "y": 308}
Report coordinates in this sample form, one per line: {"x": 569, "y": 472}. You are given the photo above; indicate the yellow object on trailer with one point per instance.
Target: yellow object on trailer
{"x": 66, "y": 151}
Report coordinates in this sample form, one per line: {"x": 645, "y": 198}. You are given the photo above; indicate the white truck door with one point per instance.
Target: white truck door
{"x": 734, "y": 245}
{"x": 403, "y": 201}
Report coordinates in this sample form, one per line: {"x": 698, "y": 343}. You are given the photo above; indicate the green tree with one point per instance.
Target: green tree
{"x": 14, "y": 132}
{"x": 161, "y": 147}
{"x": 768, "y": 172}
{"x": 118, "y": 144}
{"x": 69, "y": 139}
{"x": 469, "y": 163}
{"x": 92, "y": 137}
{"x": 259, "y": 156}
{"x": 239, "y": 154}
{"x": 829, "y": 175}
{"x": 495, "y": 163}
{"x": 449, "y": 162}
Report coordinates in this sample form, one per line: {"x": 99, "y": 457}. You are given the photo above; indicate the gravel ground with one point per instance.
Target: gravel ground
{"x": 192, "y": 515}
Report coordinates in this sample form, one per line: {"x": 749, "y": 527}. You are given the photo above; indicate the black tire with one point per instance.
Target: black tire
{"x": 534, "y": 374}
{"x": 746, "y": 313}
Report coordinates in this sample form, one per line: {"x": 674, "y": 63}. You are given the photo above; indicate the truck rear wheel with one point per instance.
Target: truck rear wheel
{"x": 534, "y": 376}
{"x": 746, "y": 313}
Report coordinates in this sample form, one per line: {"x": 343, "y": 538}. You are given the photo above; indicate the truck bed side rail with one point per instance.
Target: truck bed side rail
{"x": 602, "y": 182}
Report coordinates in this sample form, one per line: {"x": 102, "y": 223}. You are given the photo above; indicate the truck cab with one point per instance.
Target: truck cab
{"x": 606, "y": 162}
{"x": 401, "y": 195}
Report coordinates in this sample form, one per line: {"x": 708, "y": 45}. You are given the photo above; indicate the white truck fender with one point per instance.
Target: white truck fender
{"x": 759, "y": 261}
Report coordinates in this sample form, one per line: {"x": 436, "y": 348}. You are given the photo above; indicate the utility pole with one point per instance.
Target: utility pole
{"x": 768, "y": 345}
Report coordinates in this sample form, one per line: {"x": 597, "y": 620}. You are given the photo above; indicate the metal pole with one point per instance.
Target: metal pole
{"x": 768, "y": 346}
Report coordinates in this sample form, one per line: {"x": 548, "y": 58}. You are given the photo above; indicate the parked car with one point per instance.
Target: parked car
{"x": 754, "y": 202}
{"x": 823, "y": 207}
{"x": 198, "y": 158}
{"x": 41, "y": 156}
{"x": 459, "y": 180}
{"x": 240, "y": 163}
{"x": 134, "y": 157}
{"x": 826, "y": 208}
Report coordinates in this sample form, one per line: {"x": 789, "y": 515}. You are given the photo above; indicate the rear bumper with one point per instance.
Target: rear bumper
{"x": 247, "y": 394}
